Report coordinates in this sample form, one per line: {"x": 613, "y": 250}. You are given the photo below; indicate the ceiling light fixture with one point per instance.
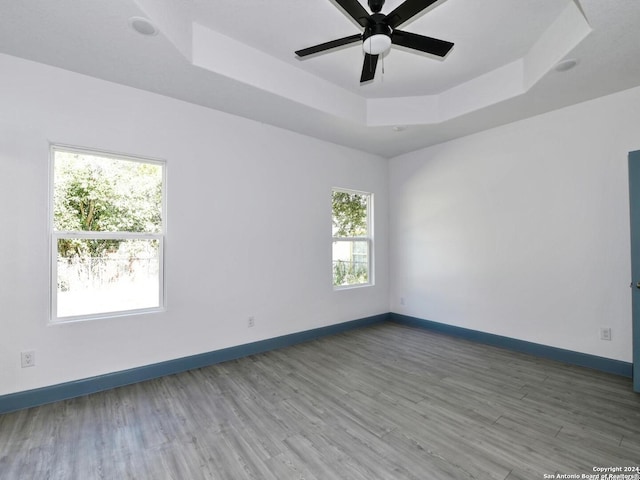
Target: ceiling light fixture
{"x": 566, "y": 65}
{"x": 143, "y": 26}
{"x": 377, "y": 37}
{"x": 376, "y": 44}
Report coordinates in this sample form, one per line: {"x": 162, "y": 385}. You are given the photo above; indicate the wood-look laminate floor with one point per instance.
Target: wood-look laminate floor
{"x": 384, "y": 402}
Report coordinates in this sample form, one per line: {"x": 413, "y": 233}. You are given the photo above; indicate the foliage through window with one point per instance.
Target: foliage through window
{"x": 352, "y": 238}
{"x": 108, "y": 232}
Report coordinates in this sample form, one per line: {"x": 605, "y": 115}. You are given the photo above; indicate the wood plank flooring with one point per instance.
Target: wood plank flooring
{"x": 384, "y": 402}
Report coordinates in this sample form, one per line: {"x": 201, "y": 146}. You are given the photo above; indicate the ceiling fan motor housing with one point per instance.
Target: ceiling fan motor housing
{"x": 378, "y": 26}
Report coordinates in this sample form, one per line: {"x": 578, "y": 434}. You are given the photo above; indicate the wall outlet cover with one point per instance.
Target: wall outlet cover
{"x": 605, "y": 334}
{"x": 28, "y": 359}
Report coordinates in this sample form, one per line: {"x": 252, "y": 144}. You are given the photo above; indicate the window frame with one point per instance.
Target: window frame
{"x": 56, "y": 235}
{"x": 368, "y": 239}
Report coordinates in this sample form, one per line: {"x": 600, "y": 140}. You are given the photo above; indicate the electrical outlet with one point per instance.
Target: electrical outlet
{"x": 605, "y": 334}
{"x": 251, "y": 322}
{"x": 401, "y": 300}
{"x": 28, "y": 359}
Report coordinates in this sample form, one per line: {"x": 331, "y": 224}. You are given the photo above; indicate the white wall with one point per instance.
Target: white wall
{"x": 255, "y": 199}
{"x": 522, "y": 230}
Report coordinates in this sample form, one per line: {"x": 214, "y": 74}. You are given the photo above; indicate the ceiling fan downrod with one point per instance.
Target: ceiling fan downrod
{"x": 376, "y": 5}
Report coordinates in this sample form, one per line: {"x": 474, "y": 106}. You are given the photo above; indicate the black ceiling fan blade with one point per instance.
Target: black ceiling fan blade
{"x": 422, "y": 43}
{"x": 329, "y": 45}
{"x": 405, "y": 11}
{"x": 369, "y": 67}
{"x": 355, "y": 11}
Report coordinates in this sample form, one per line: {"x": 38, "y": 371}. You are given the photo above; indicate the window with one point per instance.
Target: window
{"x": 352, "y": 238}
{"x": 107, "y": 234}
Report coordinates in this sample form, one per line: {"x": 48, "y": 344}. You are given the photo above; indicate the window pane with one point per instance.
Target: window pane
{"x": 350, "y": 214}
{"x": 350, "y": 262}
{"x": 94, "y": 193}
{"x": 106, "y": 275}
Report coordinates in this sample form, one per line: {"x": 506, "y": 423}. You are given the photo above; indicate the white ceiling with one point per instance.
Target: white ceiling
{"x": 237, "y": 56}
{"x": 487, "y": 34}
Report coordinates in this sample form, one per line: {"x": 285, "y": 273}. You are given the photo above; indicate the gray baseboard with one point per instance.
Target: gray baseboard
{"x": 608, "y": 365}
{"x": 78, "y": 388}
{"x": 64, "y": 391}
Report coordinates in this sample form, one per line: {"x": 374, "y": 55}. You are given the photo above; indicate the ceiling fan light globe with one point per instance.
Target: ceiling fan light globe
{"x": 376, "y": 44}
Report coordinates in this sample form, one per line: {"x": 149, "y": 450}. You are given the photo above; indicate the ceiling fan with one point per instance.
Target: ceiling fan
{"x": 380, "y": 32}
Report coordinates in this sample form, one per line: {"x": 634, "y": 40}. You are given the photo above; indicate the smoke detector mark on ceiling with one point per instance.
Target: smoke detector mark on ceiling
{"x": 566, "y": 65}
{"x": 143, "y": 26}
